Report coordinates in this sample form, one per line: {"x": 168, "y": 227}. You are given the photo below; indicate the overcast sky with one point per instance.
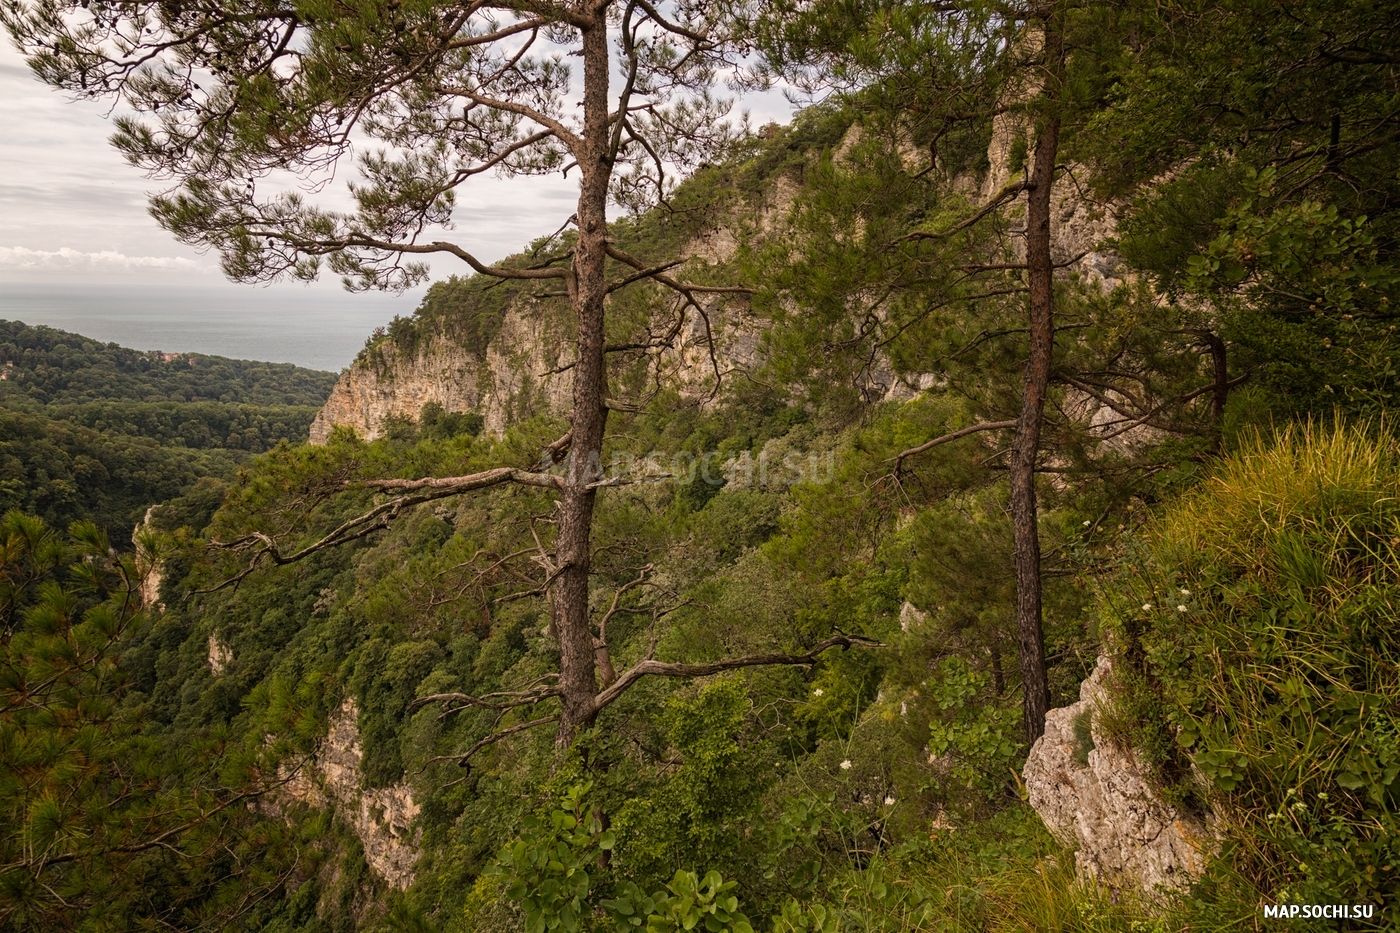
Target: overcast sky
{"x": 79, "y": 252}
{"x": 72, "y": 211}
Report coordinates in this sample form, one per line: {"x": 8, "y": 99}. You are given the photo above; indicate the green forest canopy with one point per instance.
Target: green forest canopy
{"x": 53, "y": 366}
{"x": 92, "y": 431}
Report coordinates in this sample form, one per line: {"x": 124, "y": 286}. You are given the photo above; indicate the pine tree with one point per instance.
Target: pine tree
{"x": 226, "y": 96}
{"x": 945, "y": 67}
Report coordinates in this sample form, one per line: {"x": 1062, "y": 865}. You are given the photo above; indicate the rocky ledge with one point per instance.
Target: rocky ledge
{"x": 383, "y": 818}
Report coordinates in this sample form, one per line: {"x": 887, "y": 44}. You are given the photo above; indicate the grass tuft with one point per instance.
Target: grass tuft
{"x": 1259, "y": 629}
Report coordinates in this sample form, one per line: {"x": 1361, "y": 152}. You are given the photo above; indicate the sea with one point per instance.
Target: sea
{"x": 319, "y": 327}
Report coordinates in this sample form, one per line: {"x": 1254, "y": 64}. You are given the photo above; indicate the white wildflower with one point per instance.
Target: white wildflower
{"x": 1184, "y": 592}
{"x": 846, "y": 765}
{"x": 817, "y": 692}
{"x": 1146, "y": 607}
{"x": 1180, "y": 608}
{"x": 1087, "y": 523}
{"x": 889, "y": 800}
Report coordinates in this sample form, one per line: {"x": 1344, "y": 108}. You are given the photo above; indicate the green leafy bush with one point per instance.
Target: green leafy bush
{"x": 979, "y": 740}
{"x": 547, "y": 869}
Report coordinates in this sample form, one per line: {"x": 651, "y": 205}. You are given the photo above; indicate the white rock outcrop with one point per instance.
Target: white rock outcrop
{"x": 524, "y": 371}
{"x": 1124, "y": 834}
{"x": 382, "y": 817}
{"x": 220, "y": 655}
{"x": 149, "y": 569}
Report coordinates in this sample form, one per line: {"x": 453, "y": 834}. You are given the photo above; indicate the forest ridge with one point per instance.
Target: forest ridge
{"x": 93, "y": 431}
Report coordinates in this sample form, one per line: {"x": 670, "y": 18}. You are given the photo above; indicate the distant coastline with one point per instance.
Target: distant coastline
{"x": 320, "y": 328}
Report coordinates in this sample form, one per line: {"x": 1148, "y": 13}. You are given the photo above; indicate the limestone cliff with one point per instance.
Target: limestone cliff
{"x": 385, "y": 385}
{"x": 150, "y": 569}
{"x": 382, "y": 817}
{"x": 524, "y": 371}
{"x": 524, "y": 368}
{"x": 1095, "y": 797}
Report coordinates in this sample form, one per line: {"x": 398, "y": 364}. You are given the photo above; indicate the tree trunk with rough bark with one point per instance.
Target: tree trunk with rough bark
{"x": 1220, "y": 388}
{"x": 1025, "y": 448}
{"x": 587, "y": 291}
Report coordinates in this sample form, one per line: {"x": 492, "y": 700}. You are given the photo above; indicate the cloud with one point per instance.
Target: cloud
{"x": 63, "y": 185}
{"x": 107, "y": 260}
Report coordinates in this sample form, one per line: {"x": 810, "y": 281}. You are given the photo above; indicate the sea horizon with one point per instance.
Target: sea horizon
{"x": 319, "y": 327}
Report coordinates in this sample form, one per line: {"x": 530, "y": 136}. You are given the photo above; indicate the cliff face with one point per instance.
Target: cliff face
{"x": 382, "y": 817}
{"x": 151, "y": 572}
{"x": 523, "y": 371}
{"x": 366, "y": 394}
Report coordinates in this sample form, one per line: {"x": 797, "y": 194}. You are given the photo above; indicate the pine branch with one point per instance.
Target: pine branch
{"x": 266, "y": 547}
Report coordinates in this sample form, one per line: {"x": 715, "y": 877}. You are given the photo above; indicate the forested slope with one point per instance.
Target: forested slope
{"x": 344, "y": 709}
{"x": 99, "y": 432}
{"x": 53, "y": 366}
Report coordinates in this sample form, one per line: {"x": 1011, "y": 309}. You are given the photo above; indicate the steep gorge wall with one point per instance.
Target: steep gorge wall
{"x": 382, "y": 818}
{"x": 512, "y": 379}
{"x": 524, "y": 369}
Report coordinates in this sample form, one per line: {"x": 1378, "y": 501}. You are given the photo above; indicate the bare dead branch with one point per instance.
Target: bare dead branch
{"x": 559, "y": 130}
{"x": 1001, "y": 197}
{"x": 964, "y": 432}
{"x": 472, "y": 481}
{"x": 265, "y": 547}
{"x": 687, "y": 291}
{"x": 720, "y": 289}
{"x": 671, "y": 27}
{"x": 525, "y": 25}
{"x": 1144, "y": 414}
{"x": 556, "y": 451}
{"x": 499, "y": 701}
{"x": 644, "y": 274}
{"x": 465, "y": 758}
{"x": 649, "y": 667}
{"x": 537, "y": 591}
{"x": 600, "y": 643}
{"x": 684, "y": 288}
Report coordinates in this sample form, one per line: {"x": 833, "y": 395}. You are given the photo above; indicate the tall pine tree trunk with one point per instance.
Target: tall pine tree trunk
{"x": 1025, "y": 448}
{"x": 588, "y": 289}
